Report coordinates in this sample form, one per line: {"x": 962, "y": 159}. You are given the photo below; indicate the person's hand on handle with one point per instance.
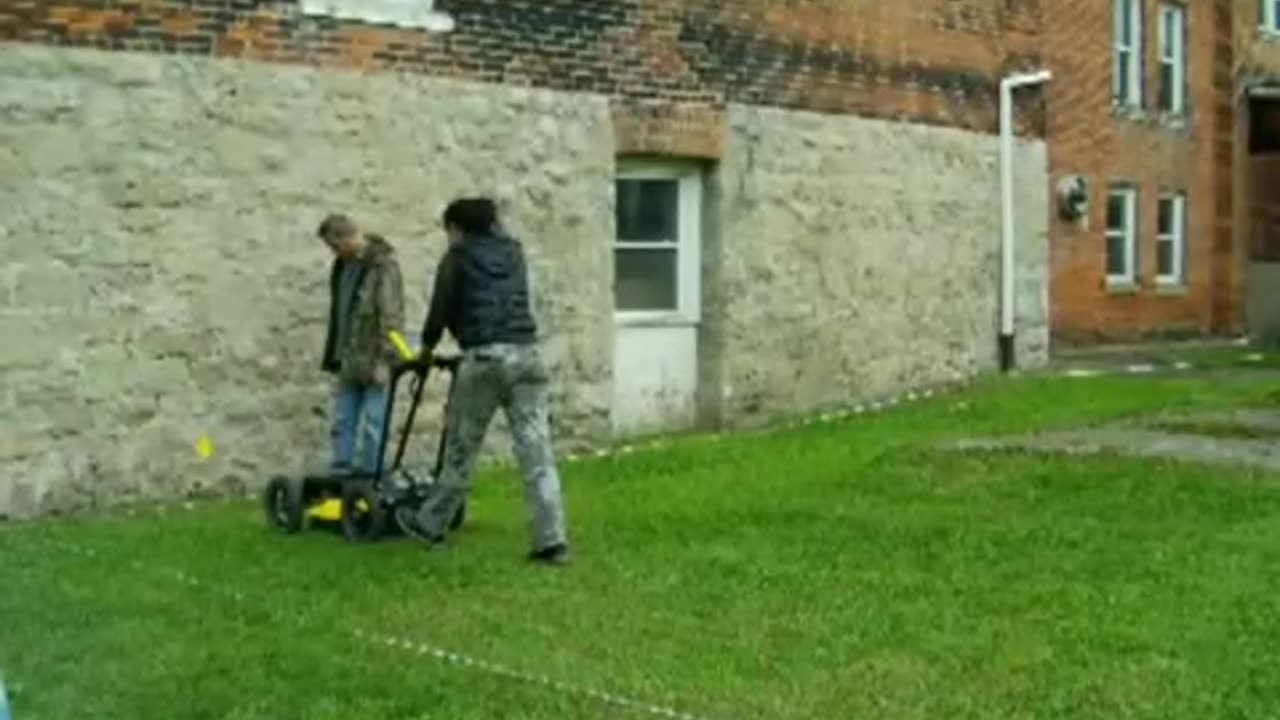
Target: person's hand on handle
{"x": 405, "y": 356}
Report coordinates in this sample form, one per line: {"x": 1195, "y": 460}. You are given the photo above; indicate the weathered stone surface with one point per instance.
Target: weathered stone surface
{"x": 861, "y": 257}
{"x": 165, "y": 281}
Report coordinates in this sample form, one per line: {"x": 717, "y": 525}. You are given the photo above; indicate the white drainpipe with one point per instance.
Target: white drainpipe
{"x": 1007, "y": 273}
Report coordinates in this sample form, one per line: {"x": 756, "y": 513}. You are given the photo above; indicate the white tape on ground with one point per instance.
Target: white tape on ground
{"x": 508, "y": 673}
{"x": 531, "y": 679}
{"x": 423, "y": 649}
{"x": 877, "y": 406}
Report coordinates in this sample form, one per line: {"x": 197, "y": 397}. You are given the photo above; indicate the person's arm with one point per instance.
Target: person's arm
{"x": 441, "y": 308}
{"x": 530, "y": 280}
{"x": 391, "y": 303}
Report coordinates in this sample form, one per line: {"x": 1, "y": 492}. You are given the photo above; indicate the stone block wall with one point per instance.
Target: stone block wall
{"x": 162, "y": 278}
{"x": 166, "y": 164}
{"x": 860, "y": 258}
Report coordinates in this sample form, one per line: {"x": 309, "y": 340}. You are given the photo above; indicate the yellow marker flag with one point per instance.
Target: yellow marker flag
{"x": 204, "y": 447}
{"x": 402, "y": 347}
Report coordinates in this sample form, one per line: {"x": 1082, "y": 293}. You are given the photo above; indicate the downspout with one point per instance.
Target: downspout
{"x": 1007, "y": 272}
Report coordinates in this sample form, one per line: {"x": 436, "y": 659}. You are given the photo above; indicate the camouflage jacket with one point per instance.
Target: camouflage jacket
{"x": 377, "y": 309}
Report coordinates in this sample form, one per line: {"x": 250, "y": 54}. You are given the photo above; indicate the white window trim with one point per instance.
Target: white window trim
{"x": 1130, "y": 235}
{"x": 1270, "y": 20}
{"x": 688, "y": 245}
{"x": 1133, "y": 46}
{"x": 1178, "y": 238}
{"x": 1173, "y": 52}
{"x": 401, "y": 13}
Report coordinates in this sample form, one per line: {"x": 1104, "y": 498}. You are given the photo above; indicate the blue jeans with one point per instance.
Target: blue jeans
{"x": 357, "y": 414}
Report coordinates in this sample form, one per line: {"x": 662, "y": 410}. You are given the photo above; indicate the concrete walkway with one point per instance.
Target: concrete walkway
{"x": 1256, "y": 444}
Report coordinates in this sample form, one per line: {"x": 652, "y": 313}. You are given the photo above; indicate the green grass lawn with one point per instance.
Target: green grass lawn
{"x": 843, "y": 570}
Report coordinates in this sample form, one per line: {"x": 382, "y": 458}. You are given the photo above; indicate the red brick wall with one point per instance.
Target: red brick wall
{"x": 671, "y": 65}
{"x": 1086, "y": 137}
{"x": 1256, "y": 53}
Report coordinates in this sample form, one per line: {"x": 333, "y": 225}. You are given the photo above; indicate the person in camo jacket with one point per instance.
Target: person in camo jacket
{"x": 366, "y": 302}
{"x": 481, "y": 296}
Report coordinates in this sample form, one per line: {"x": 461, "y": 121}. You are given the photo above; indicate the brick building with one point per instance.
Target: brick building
{"x": 1141, "y": 109}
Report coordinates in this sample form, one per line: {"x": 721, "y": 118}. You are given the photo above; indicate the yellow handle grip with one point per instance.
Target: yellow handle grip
{"x": 402, "y": 347}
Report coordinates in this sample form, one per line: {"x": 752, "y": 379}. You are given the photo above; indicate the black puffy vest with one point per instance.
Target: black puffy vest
{"x": 493, "y": 300}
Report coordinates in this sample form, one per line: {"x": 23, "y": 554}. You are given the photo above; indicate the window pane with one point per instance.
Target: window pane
{"x": 1115, "y": 256}
{"x": 646, "y": 279}
{"x": 1275, "y": 14}
{"x": 1167, "y": 32}
{"x": 1122, "y": 75}
{"x": 1166, "y": 86}
{"x": 648, "y": 210}
{"x": 1164, "y": 224}
{"x": 1164, "y": 257}
{"x": 1115, "y": 212}
{"x": 1124, "y": 25}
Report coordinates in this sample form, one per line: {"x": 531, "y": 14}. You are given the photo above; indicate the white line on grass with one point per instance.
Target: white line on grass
{"x": 870, "y": 407}
{"x": 541, "y": 680}
{"x": 419, "y": 648}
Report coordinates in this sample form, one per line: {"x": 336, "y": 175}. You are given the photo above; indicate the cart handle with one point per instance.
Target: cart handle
{"x": 420, "y": 363}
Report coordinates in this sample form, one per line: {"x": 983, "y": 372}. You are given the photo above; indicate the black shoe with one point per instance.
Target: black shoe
{"x": 557, "y": 554}
{"x": 408, "y": 522}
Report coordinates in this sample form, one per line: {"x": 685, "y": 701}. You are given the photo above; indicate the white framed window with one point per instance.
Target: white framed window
{"x": 1173, "y": 58}
{"x": 401, "y": 13}
{"x": 657, "y": 251}
{"x": 1171, "y": 239}
{"x": 1126, "y": 81}
{"x": 1269, "y": 16}
{"x": 1122, "y": 234}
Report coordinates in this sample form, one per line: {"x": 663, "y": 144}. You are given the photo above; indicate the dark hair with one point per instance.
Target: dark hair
{"x": 335, "y": 226}
{"x": 474, "y": 216}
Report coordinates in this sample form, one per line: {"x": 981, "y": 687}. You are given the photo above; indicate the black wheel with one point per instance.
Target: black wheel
{"x": 364, "y": 519}
{"x": 459, "y": 517}
{"x": 282, "y": 504}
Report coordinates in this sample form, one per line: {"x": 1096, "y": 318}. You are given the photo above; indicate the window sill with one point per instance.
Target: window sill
{"x": 1122, "y": 287}
{"x": 1176, "y": 121}
{"x": 1125, "y": 111}
{"x": 634, "y": 319}
{"x": 1171, "y": 289}
{"x": 414, "y": 15}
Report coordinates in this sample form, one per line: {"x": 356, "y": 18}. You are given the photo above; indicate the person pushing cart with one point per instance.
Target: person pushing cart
{"x": 481, "y": 297}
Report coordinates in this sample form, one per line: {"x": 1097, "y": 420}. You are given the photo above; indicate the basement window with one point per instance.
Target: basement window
{"x": 419, "y": 14}
{"x": 1122, "y": 215}
{"x": 1126, "y": 81}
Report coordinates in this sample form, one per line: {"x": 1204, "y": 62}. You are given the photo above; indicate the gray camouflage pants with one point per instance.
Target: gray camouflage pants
{"x": 513, "y": 377}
